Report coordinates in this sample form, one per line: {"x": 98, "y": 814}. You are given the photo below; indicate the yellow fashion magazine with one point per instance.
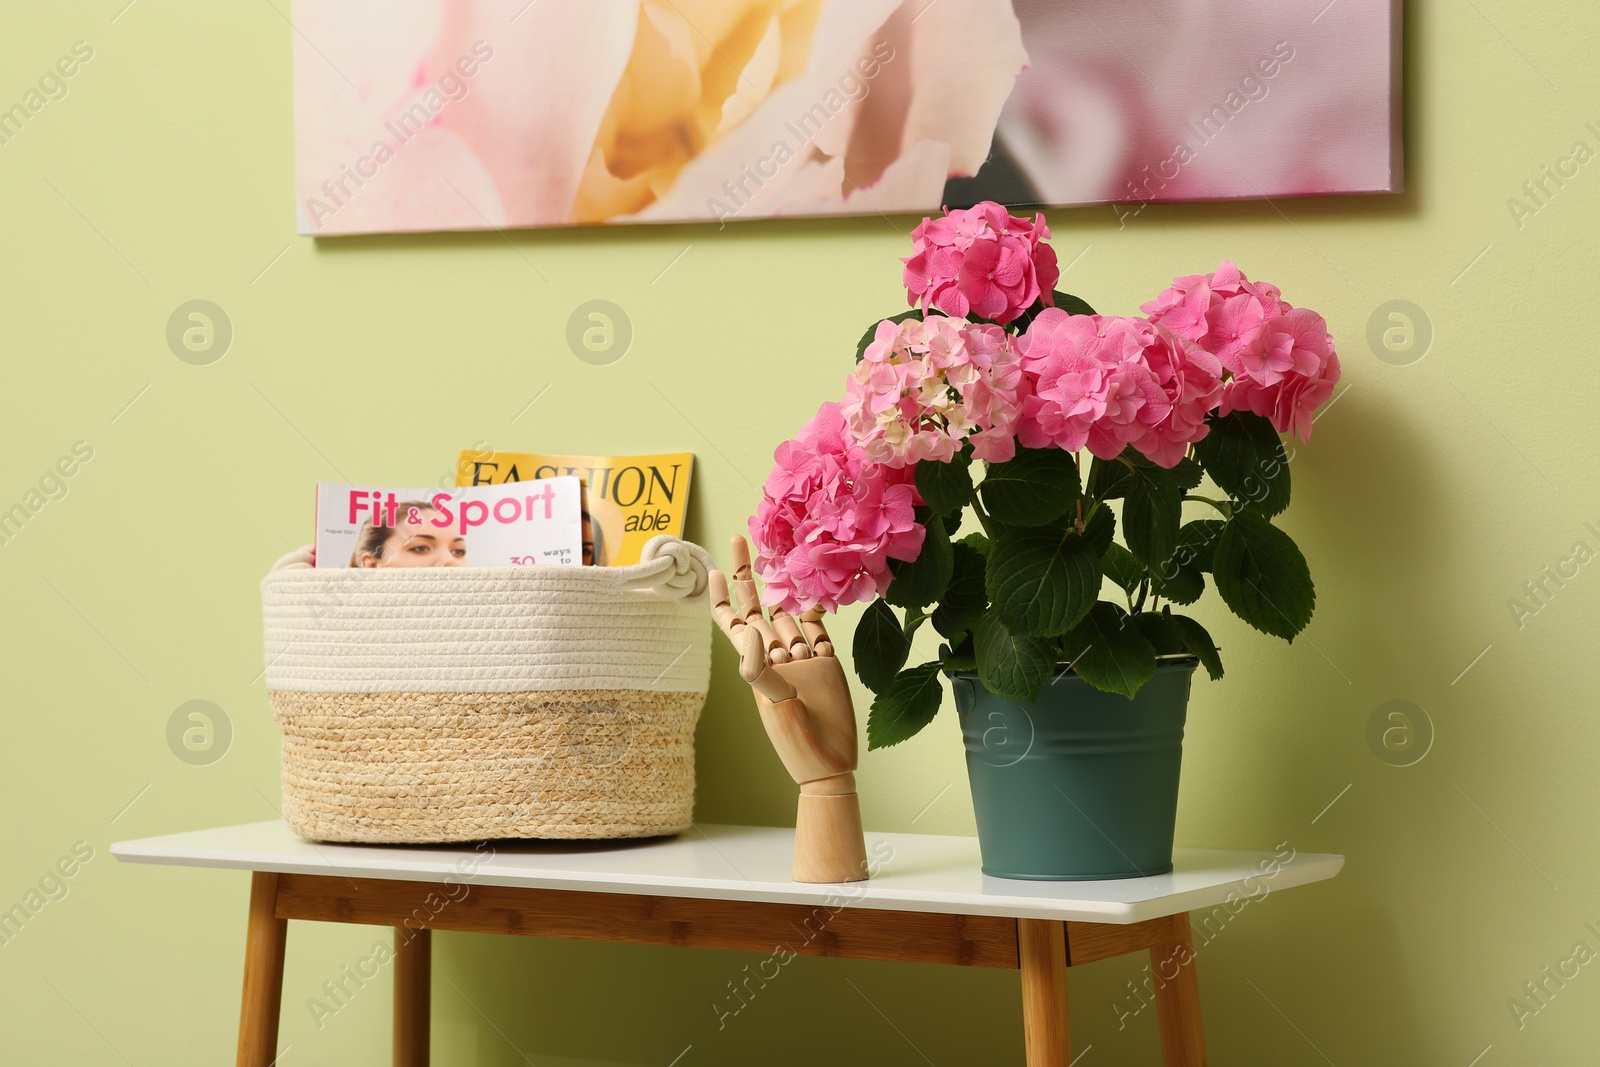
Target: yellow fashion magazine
{"x": 626, "y": 499}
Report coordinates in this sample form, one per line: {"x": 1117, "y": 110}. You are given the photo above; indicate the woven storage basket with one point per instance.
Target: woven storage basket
{"x": 467, "y": 703}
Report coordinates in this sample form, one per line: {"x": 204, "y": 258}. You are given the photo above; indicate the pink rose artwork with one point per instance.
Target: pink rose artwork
{"x": 472, "y": 114}
{"x": 415, "y": 115}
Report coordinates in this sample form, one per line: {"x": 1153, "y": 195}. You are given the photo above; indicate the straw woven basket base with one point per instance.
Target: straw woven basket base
{"x": 415, "y": 768}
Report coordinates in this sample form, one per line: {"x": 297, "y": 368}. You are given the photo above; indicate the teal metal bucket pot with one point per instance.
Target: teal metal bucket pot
{"x": 1079, "y": 784}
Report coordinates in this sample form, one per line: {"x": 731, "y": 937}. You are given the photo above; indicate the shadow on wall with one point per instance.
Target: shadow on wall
{"x": 1369, "y": 515}
{"x": 1375, "y": 525}
{"x": 1274, "y": 995}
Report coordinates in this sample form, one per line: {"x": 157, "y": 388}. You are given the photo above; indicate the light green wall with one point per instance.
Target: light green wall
{"x": 1430, "y": 494}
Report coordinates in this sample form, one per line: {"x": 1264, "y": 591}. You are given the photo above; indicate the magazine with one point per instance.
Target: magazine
{"x": 532, "y": 523}
{"x": 627, "y": 499}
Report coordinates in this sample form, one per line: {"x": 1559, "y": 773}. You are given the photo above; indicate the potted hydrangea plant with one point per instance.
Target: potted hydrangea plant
{"x": 950, "y": 488}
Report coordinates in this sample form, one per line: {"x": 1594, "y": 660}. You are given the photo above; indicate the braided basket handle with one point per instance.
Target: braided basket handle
{"x": 671, "y": 566}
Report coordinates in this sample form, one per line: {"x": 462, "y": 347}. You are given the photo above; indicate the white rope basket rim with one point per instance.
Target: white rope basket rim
{"x": 490, "y": 629}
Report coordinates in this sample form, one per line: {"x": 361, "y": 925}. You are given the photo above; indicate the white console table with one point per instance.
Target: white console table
{"x": 727, "y": 887}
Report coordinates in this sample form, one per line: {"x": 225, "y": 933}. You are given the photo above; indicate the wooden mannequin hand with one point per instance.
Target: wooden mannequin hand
{"x": 804, "y": 700}
{"x": 799, "y": 684}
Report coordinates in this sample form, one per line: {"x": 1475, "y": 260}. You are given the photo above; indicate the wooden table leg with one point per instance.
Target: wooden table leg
{"x": 263, "y": 974}
{"x": 413, "y": 958}
{"x": 1178, "y": 998}
{"x": 1046, "y": 1031}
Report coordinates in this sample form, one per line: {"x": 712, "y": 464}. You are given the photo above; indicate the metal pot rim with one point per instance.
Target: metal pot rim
{"x": 1176, "y": 662}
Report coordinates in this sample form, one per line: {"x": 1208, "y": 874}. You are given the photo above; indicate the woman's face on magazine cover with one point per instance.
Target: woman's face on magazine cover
{"x": 422, "y": 545}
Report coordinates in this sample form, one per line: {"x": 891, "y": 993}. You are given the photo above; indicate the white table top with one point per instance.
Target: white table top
{"x": 919, "y": 872}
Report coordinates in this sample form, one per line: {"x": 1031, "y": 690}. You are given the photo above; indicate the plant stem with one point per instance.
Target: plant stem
{"x": 1224, "y": 508}
{"x": 983, "y": 516}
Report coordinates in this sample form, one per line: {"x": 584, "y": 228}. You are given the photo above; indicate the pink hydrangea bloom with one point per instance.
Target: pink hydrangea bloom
{"x": 1134, "y": 405}
{"x": 1067, "y": 384}
{"x": 1289, "y": 373}
{"x": 981, "y": 261}
{"x": 1222, "y": 312}
{"x": 925, "y": 386}
{"x": 992, "y": 393}
{"x": 1279, "y": 359}
{"x": 830, "y": 520}
{"x": 1106, "y": 382}
{"x": 1192, "y": 380}
{"x": 1294, "y": 343}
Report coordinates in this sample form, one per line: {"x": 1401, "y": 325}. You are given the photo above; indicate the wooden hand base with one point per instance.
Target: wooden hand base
{"x": 828, "y": 842}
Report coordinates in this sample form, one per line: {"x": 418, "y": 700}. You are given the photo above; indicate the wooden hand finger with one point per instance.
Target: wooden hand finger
{"x": 789, "y": 633}
{"x": 722, "y": 608}
{"x": 744, "y": 583}
{"x": 749, "y": 606}
{"x": 753, "y": 663}
{"x": 816, "y": 634}
{"x": 752, "y": 647}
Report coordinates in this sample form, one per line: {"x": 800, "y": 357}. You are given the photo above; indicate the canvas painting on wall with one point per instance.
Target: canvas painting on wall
{"x": 475, "y": 114}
